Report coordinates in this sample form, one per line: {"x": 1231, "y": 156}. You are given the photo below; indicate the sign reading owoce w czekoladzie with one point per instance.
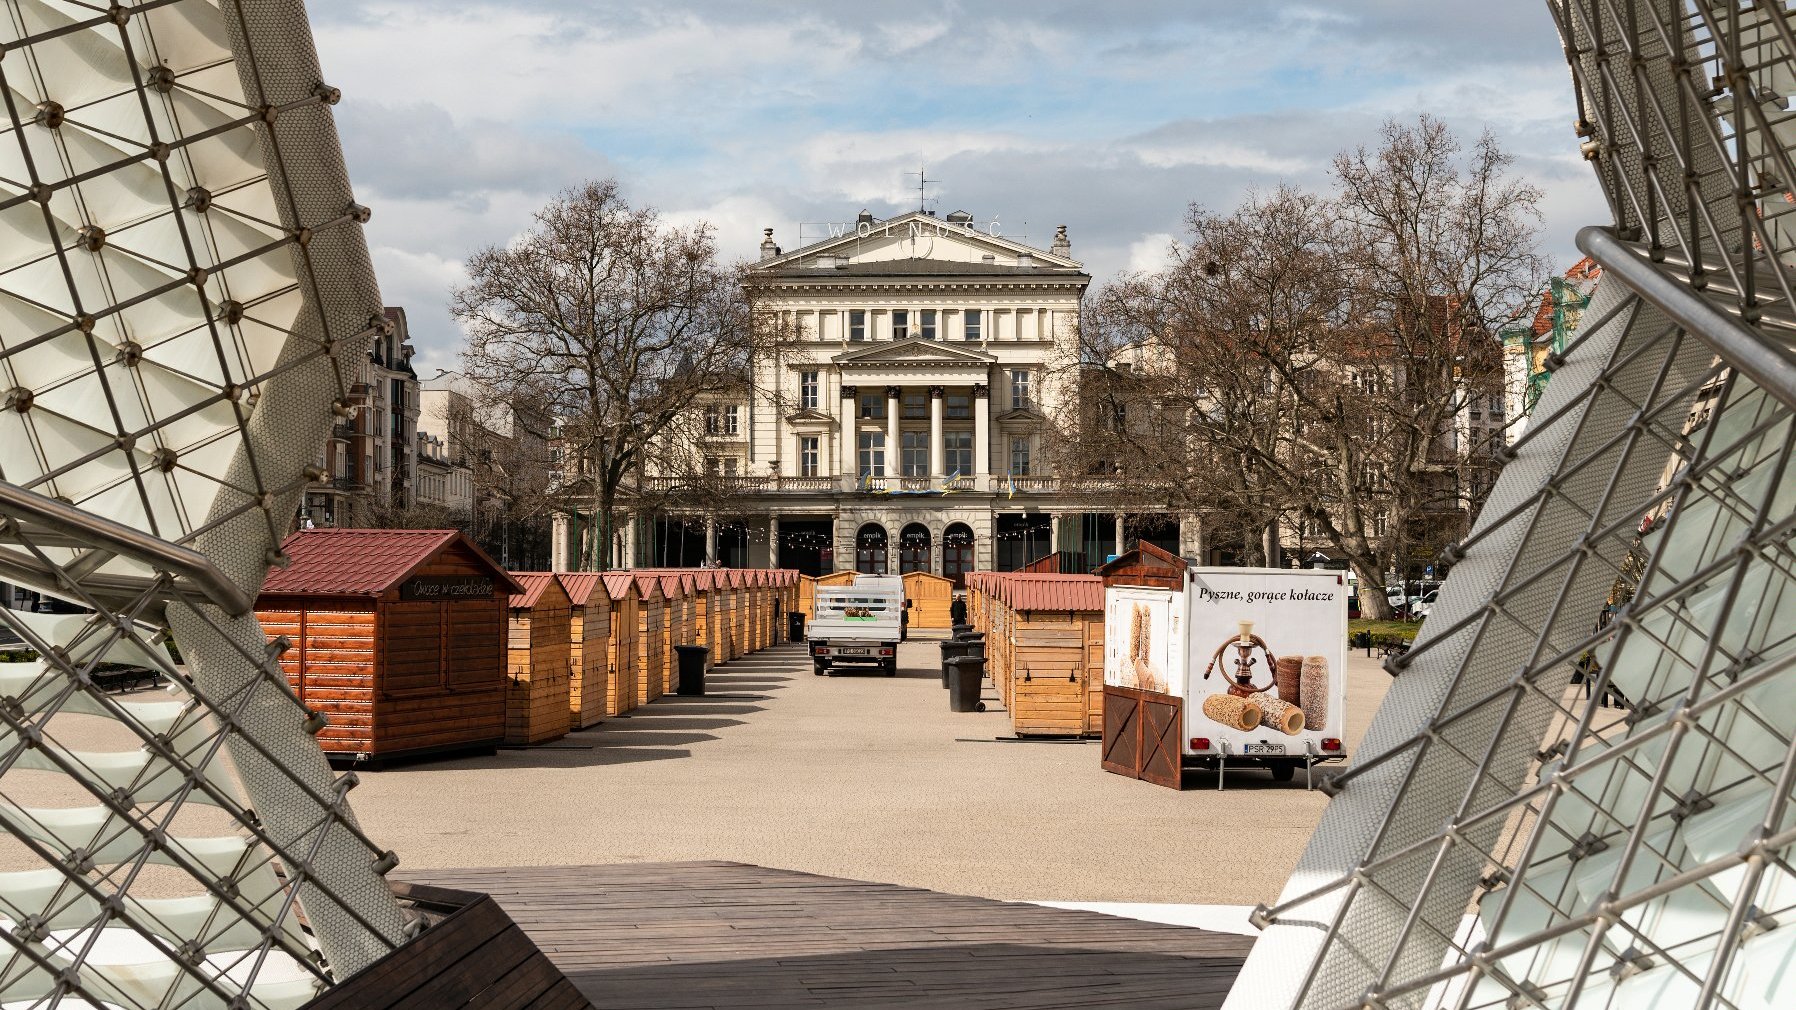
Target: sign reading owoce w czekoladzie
{"x": 431, "y": 588}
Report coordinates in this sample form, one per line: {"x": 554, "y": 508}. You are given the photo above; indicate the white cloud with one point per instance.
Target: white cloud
{"x": 460, "y": 119}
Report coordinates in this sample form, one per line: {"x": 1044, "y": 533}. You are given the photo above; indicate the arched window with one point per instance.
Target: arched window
{"x": 913, "y": 549}
{"x": 957, "y": 553}
{"x": 870, "y": 550}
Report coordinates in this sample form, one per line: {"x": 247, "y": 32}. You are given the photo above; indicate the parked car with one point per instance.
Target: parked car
{"x": 1420, "y": 608}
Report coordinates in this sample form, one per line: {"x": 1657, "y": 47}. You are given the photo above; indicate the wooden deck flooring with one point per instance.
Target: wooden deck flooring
{"x": 699, "y": 935}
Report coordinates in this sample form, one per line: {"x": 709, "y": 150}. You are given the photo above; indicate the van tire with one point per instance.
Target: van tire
{"x": 819, "y": 668}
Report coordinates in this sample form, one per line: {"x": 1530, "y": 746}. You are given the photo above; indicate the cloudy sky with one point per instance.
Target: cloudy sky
{"x": 459, "y": 118}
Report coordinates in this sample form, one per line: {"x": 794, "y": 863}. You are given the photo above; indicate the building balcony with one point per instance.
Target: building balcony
{"x": 1002, "y": 484}
{"x": 347, "y": 483}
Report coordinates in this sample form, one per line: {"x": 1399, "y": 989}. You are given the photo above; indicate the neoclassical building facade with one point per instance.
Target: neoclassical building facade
{"x": 900, "y": 421}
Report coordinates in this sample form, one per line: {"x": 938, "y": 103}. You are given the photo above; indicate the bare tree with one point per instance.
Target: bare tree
{"x": 1316, "y": 359}
{"x": 611, "y": 322}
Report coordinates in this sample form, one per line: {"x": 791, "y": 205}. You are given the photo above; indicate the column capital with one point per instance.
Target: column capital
{"x": 982, "y": 390}
{"x": 937, "y": 392}
{"x": 850, "y": 392}
{"x": 894, "y": 392}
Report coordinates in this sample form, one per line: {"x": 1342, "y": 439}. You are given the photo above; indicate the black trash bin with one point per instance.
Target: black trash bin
{"x": 959, "y": 630}
{"x": 692, "y": 669}
{"x": 795, "y": 626}
{"x": 965, "y": 676}
{"x": 975, "y": 644}
{"x": 950, "y": 651}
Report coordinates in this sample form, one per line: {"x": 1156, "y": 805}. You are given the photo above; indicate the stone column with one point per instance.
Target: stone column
{"x": 773, "y": 541}
{"x": 937, "y": 453}
{"x": 894, "y": 407}
{"x": 710, "y": 539}
{"x": 1053, "y": 532}
{"x": 1119, "y": 533}
{"x": 629, "y": 530}
{"x": 982, "y": 422}
{"x": 850, "y": 403}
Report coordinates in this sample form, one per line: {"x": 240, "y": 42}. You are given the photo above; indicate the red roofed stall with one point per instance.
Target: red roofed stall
{"x": 1044, "y": 649}
{"x": 589, "y": 643}
{"x": 397, "y": 637}
{"x": 540, "y": 661}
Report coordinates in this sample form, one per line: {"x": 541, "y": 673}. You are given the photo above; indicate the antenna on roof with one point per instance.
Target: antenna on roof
{"x": 923, "y": 180}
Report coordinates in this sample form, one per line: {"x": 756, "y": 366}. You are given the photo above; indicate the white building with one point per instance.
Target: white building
{"x": 900, "y": 422}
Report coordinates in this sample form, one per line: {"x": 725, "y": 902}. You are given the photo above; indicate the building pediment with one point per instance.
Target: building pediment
{"x": 915, "y": 351}
{"x": 917, "y": 236}
{"x": 1020, "y": 417}
{"x": 809, "y": 419}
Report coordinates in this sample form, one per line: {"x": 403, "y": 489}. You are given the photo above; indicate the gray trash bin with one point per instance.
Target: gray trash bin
{"x": 692, "y": 669}
{"x": 950, "y": 651}
{"x": 966, "y": 674}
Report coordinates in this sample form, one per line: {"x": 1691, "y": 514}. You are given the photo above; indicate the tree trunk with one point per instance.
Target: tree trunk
{"x": 1373, "y": 603}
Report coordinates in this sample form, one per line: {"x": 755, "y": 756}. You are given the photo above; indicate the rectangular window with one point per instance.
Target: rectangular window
{"x": 873, "y": 406}
{"x": 916, "y": 406}
{"x": 729, "y": 466}
{"x": 916, "y": 453}
{"x": 807, "y": 456}
{"x": 1019, "y": 457}
{"x": 957, "y": 406}
{"x": 732, "y": 420}
{"x": 900, "y": 324}
{"x": 857, "y": 324}
{"x": 1019, "y": 390}
{"x": 957, "y": 457}
{"x": 928, "y": 324}
{"x": 807, "y": 390}
{"x": 873, "y": 453}
{"x": 973, "y": 318}
{"x": 713, "y": 465}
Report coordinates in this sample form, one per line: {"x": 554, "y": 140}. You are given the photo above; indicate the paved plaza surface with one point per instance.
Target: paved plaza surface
{"x": 856, "y": 776}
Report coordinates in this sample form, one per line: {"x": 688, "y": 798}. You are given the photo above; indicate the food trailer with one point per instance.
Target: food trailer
{"x": 1225, "y": 667}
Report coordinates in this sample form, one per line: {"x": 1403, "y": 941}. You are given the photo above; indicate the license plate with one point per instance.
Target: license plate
{"x": 854, "y": 652}
{"x": 1262, "y": 747}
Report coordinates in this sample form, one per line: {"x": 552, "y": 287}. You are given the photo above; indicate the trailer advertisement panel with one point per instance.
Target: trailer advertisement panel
{"x": 1142, "y": 644}
{"x": 1265, "y": 674}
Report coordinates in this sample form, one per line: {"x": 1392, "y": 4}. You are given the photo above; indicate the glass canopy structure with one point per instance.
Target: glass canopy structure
{"x": 1578, "y": 791}
{"x": 182, "y": 278}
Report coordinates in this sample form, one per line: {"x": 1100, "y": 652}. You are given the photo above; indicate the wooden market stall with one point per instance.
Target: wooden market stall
{"x": 539, "y": 661}
{"x": 397, "y": 637}
{"x": 1049, "y": 664}
{"x": 623, "y": 668}
{"x": 928, "y": 598}
{"x": 651, "y": 638}
{"x": 589, "y": 642}
{"x": 677, "y": 628}
{"x": 806, "y": 595}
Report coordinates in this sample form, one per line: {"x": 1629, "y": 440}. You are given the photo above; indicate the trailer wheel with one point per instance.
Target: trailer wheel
{"x": 891, "y": 669}
{"x": 819, "y": 669}
{"x": 979, "y": 707}
{"x": 1283, "y": 772}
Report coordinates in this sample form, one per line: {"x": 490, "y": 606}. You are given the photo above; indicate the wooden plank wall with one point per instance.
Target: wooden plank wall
{"x": 589, "y": 648}
{"x": 620, "y": 671}
{"x": 331, "y": 668}
{"x": 440, "y": 681}
{"x": 651, "y": 649}
{"x": 538, "y": 701}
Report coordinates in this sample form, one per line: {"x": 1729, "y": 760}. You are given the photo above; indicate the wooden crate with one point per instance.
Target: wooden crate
{"x": 929, "y": 598}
